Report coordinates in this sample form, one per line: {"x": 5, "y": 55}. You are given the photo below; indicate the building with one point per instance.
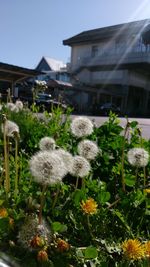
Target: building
{"x": 112, "y": 65}
{"x": 55, "y": 73}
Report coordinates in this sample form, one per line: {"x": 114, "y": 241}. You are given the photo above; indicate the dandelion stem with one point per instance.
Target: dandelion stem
{"x": 16, "y": 163}
{"x": 42, "y": 202}
{"x": 83, "y": 182}
{"x": 114, "y": 203}
{"x": 6, "y": 158}
{"x": 144, "y": 170}
{"x": 56, "y": 196}
{"x": 77, "y": 182}
{"x": 89, "y": 227}
{"x": 136, "y": 177}
{"x": 123, "y": 156}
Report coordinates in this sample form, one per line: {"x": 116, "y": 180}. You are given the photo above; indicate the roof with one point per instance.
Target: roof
{"x": 56, "y": 83}
{"x": 129, "y": 28}
{"x": 12, "y": 73}
{"x": 52, "y": 64}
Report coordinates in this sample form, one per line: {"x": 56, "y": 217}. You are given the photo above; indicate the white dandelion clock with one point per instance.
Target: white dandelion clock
{"x": 12, "y": 107}
{"x": 10, "y": 128}
{"x": 67, "y": 159}
{"x": 19, "y": 104}
{"x": 47, "y": 143}
{"x": 138, "y": 157}
{"x": 81, "y": 167}
{"x": 47, "y": 168}
{"x": 81, "y": 127}
{"x": 88, "y": 149}
{"x": 32, "y": 229}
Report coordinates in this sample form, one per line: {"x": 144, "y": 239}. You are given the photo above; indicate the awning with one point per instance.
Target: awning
{"x": 13, "y": 74}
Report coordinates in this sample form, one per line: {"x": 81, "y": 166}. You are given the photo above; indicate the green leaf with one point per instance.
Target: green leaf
{"x": 4, "y": 223}
{"x": 133, "y": 124}
{"x": 122, "y": 219}
{"x": 104, "y": 197}
{"x": 78, "y": 195}
{"x": 58, "y": 227}
{"x": 130, "y": 180}
{"x": 1, "y": 202}
{"x": 138, "y": 198}
{"x": 90, "y": 253}
{"x": 147, "y": 212}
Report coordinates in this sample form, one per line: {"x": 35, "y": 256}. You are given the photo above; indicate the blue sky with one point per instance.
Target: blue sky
{"x": 30, "y": 29}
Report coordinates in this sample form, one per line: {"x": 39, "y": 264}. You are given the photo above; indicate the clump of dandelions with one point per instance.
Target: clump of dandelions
{"x": 81, "y": 127}
{"x": 47, "y": 143}
{"x": 88, "y": 149}
{"x": 47, "y": 168}
{"x": 33, "y": 235}
{"x": 19, "y": 104}
{"x": 10, "y": 128}
{"x": 66, "y": 157}
{"x": 81, "y": 167}
{"x": 138, "y": 157}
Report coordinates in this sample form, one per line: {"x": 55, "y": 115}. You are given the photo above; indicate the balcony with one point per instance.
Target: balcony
{"x": 110, "y": 60}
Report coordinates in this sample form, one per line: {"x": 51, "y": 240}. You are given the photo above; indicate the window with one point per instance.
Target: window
{"x": 94, "y": 51}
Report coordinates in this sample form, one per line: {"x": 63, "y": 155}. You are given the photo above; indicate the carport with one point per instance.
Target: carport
{"x": 14, "y": 74}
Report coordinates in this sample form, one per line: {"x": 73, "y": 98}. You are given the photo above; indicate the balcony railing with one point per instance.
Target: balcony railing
{"x": 114, "y": 59}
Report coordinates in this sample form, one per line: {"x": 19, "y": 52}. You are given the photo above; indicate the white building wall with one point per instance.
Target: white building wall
{"x": 108, "y": 47}
{"x": 106, "y": 75}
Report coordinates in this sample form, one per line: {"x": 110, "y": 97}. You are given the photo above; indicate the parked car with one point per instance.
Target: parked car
{"x": 107, "y": 107}
{"x": 44, "y": 102}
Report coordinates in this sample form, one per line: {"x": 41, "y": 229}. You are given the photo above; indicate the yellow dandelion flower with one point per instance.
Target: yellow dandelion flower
{"x": 3, "y": 213}
{"x": 133, "y": 249}
{"x": 147, "y": 249}
{"x": 89, "y": 206}
{"x": 42, "y": 256}
{"x": 147, "y": 190}
{"x": 62, "y": 245}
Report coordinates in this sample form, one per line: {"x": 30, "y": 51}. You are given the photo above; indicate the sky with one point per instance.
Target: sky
{"x": 31, "y": 29}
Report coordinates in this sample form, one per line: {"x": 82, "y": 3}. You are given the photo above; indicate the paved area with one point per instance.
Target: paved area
{"x": 144, "y": 124}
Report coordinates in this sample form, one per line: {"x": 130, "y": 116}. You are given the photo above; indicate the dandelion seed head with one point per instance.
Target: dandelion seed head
{"x": 12, "y": 107}
{"x": 88, "y": 149}
{"x": 67, "y": 159}
{"x": 10, "y": 128}
{"x": 138, "y": 157}
{"x": 19, "y": 104}
{"x": 81, "y": 167}
{"x": 31, "y": 229}
{"x": 47, "y": 143}
{"x": 47, "y": 167}
{"x": 81, "y": 127}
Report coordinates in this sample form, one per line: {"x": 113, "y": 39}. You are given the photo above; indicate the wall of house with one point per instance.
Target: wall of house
{"x": 84, "y": 76}
{"x": 84, "y": 53}
{"x": 129, "y": 88}
{"x": 115, "y": 76}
